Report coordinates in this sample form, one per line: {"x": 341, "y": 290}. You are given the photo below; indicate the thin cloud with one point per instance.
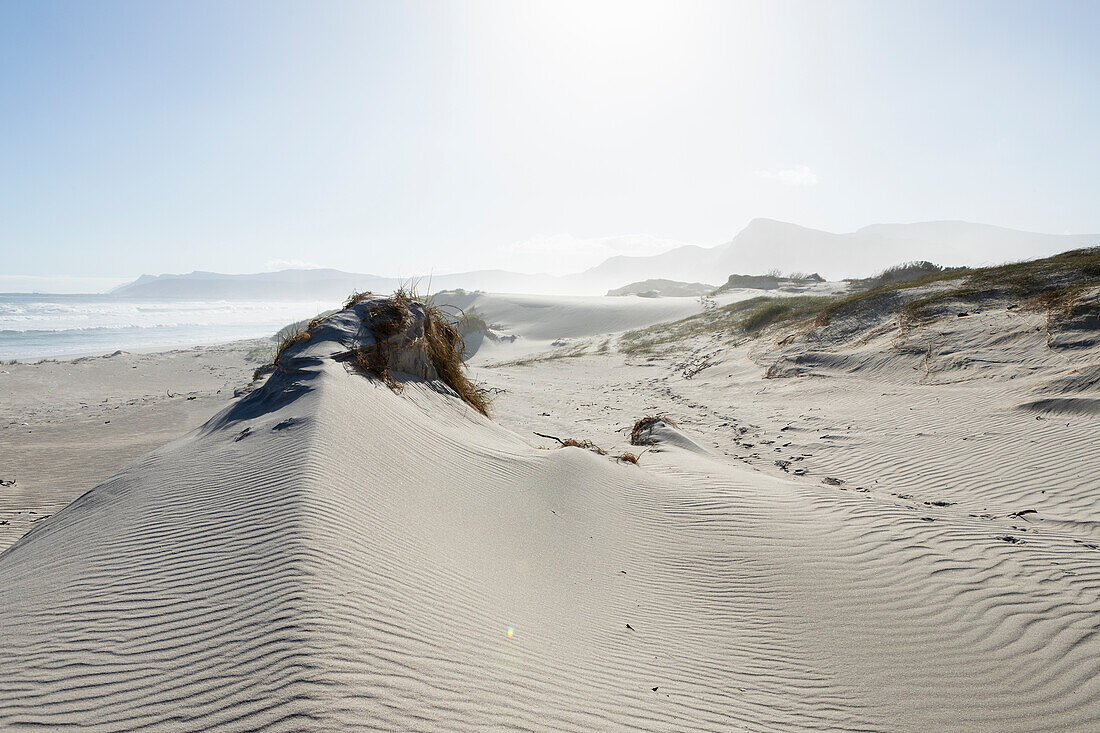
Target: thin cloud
{"x": 799, "y": 175}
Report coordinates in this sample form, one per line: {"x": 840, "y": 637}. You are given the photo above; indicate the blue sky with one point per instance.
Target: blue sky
{"x": 395, "y": 138}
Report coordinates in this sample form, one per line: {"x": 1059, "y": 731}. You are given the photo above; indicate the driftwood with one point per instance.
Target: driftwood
{"x": 551, "y": 437}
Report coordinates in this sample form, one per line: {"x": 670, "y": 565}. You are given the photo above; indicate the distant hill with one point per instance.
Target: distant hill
{"x": 658, "y": 288}
{"x": 284, "y": 285}
{"x": 766, "y": 244}
{"x": 318, "y": 284}
{"x": 761, "y": 246}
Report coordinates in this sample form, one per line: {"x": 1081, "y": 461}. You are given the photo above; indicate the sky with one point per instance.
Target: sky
{"x": 398, "y": 138}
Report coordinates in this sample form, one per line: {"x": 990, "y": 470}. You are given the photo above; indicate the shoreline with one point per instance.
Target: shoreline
{"x": 68, "y": 358}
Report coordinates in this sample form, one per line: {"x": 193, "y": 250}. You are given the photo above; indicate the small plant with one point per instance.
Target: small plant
{"x": 373, "y": 360}
{"x": 628, "y": 458}
{"x": 390, "y": 316}
{"x": 574, "y": 443}
{"x": 441, "y": 343}
{"x": 471, "y": 322}
{"x": 585, "y": 444}
{"x": 356, "y": 298}
{"x": 286, "y": 343}
{"x": 638, "y": 435}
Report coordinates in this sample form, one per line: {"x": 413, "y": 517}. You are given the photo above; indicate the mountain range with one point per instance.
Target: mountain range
{"x": 763, "y": 245}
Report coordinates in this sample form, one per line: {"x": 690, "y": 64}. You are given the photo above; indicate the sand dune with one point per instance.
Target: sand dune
{"x": 65, "y": 426}
{"x": 328, "y": 553}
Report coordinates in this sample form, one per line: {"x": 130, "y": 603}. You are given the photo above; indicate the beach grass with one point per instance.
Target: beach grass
{"x": 1053, "y": 285}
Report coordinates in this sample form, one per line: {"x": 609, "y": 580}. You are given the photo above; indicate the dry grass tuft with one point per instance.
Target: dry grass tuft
{"x": 357, "y": 297}
{"x": 374, "y": 361}
{"x": 445, "y": 349}
{"x": 390, "y": 316}
{"x": 585, "y": 444}
{"x": 285, "y": 344}
{"x": 628, "y": 458}
{"x": 441, "y": 343}
{"x": 640, "y": 427}
{"x": 1058, "y": 304}
{"x": 287, "y": 336}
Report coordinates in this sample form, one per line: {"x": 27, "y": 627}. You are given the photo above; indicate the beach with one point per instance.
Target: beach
{"x": 889, "y": 532}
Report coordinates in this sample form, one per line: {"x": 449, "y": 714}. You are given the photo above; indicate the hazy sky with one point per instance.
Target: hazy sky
{"x": 393, "y": 138}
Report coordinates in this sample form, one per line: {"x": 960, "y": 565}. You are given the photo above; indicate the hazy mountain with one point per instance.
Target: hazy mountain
{"x": 319, "y": 284}
{"x": 761, "y": 246}
{"x": 283, "y": 285}
{"x": 766, "y": 244}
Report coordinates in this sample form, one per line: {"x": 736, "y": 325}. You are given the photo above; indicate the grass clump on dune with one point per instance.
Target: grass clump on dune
{"x": 471, "y": 322}
{"x": 741, "y": 319}
{"x": 286, "y": 337}
{"x": 285, "y": 342}
{"x": 904, "y": 272}
{"x": 445, "y": 348}
{"x": 584, "y": 444}
{"x": 438, "y": 341}
{"x": 397, "y": 345}
{"x": 574, "y": 443}
{"x": 639, "y": 433}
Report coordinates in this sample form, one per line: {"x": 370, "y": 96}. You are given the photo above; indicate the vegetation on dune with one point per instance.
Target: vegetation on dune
{"x": 585, "y": 444}
{"x": 445, "y": 348}
{"x": 1053, "y": 285}
{"x": 737, "y": 320}
{"x": 471, "y": 322}
{"x": 639, "y": 433}
{"x": 574, "y": 443}
{"x": 284, "y": 338}
{"x": 440, "y": 342}
{"x": 589, "y": 445}
{"x": 771, "y": 280}
{"x": 903, "y": 272}
{"x": 386, "y": 318}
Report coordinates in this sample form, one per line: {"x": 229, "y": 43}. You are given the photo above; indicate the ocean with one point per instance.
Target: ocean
{"x": 36, "y": 326}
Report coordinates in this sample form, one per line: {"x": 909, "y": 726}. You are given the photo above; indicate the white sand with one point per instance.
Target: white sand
{"x": 67, "y": 425}
{"x": 328, "y": 554}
